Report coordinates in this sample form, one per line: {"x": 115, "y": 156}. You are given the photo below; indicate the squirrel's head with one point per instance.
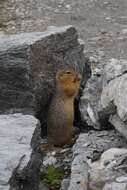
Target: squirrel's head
{"x": 68, "y": 81}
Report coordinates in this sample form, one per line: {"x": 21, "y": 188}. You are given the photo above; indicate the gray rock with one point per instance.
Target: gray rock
{"x": 15, "y": 135}
{"x": 79, "y": 174}
{"x": 113, "y": 69}
{"x": 65, "y": 184}
{"x": 49, "y": 160}
{"x": 119, "y": 125}
{"x": 105, "y": 94}
{"x": 35, "y": 57}
{"x": 86, "y": 151}
{"x": 110, "y": 166}
{"x": 114, "y": 92}
{"x": 26, "y": 177}
{"x": 54, "y": 52}
{"x": 122, "y": 179}
{"x": 90, "y": 99}
{"x": 114, "y": 186}
{"x": 94, "y": 143}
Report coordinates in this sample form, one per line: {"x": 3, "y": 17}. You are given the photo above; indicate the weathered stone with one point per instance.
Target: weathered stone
{"x": 122, "y": 178}
{"x": 54, "y": 52}
{"x": 79, "y": 174}
{"x": 87, "y": 149}
{"x": 111, "y": 165}
{"x": 49, "y": 160}
{"x": 94, "y": 143}
{"x": 105, "y": 94}
{"x": 45, "y": 52}
{"x": 91, "y": 110}
{"x": 119, "y": 125}
{"x": 65, "y": 184}
{"x": 113, "y": 69}
{"x": 114, "y": 92}
{"x": 26, "y": 177}
{"x": 114, "y": 186}
{"x": 15, "y": 135}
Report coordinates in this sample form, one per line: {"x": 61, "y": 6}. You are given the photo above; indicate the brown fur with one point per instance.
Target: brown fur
{"x": 61, "y": 111}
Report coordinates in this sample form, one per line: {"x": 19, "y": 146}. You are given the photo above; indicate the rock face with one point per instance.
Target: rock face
{"x": 104, "y": 103}
{"x": 47, "y": 51}
{"x": 110, "y": 170}
{"x": 104, "y": 96}
{"x": 114, "y": 93}
{"x": 15, "y": 135}
{"x": 89, "y": 160}
{"x": 90, "y": 99}
{"x": 53, "y": 53}
{"x": 29, "y": 62}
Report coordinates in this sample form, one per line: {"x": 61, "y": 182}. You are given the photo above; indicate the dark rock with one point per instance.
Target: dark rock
{"x": 54, "y": 52}
{"x": 43, "y": 53}
{"x": 16, "y": 94}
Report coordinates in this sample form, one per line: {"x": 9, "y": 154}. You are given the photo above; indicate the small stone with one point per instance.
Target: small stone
{"x": 65, "y": 184}
{"x": 65, "y": 150}
{"x": 68, "y": 6}
{"x": 122, "y": 179}
{"x": 115, "y": 186}
{"x": 49, "y": 161}
{"x": 124, "y": 31}
{"x": 53, "y": 153}
{"x": 107, "y": 18}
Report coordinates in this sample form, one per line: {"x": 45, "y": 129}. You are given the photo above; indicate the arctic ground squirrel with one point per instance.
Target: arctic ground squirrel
{"x": 61, "y": 110}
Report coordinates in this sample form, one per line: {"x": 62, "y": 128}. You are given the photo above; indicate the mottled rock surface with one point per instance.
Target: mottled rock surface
{"x": 35, "y": 57}
{"x": 16, "y": 131}
{"x": 90, "y": 99}
{"x": 87, "y": 151}
{"x": 55, "y": 52}
{"x": 113, "y": 97}
{"x": 104, "y": 95}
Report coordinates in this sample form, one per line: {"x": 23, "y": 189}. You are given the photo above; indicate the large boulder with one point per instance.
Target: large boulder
{"x": 57, "y": 51}
{"x": 103, "y": 101}
{"x": 90, "y": 99}
{"x": 114, "y": 93}
{"x": 16, "y": 131}
{"x": 28, "y": 64}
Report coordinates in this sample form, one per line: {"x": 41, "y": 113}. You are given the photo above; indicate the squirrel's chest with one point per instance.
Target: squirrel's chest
{"x": 69, "y": 109}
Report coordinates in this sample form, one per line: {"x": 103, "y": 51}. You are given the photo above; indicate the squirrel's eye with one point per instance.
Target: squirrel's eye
{"x": 68, "y": 72}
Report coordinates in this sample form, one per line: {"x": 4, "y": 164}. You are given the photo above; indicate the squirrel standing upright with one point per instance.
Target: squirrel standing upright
{"x": 61, "y": 111}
